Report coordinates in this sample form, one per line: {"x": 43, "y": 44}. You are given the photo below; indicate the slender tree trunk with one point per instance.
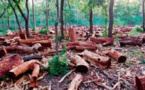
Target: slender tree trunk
{"x": 110, "y": 18}
{"x": 106, "y": 15}
{"x": 16, "y": 16}
{"x": 143, "y": 6}
{"x": 91, "y": 21}
{"x": 9, "y": 25}
{"x": 61, "y": 18}
{"x": 127, "y": 17}
{"x": 69, "y": 13}
{"x": 33, "y": 6}
{"x": 56, "y": 24}
{"x": 47, "y": 15}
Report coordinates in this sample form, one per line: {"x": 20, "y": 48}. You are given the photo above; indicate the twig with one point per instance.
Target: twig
{"x": 66, "y": 76}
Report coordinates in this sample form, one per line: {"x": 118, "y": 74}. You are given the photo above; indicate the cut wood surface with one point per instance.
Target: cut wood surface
{"x": 81, "y": 64}
{"x": 3, "y": 51}
{"x": 100, "y": 61}
{"x": 119, "y": 57}
{"x": 76, "y": 82}
{"x": 9, "y": 63}
{"x": 140, "y": 82}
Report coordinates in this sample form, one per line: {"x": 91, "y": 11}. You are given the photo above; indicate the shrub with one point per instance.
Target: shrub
{"x": 136, "y": 31}
{"x": 43, "y": 31}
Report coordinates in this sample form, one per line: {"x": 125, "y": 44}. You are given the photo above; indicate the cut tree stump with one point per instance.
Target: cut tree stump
{"x": 140, "y": 82}
{"x": 131, "y": 41}
{"x": 100, "y": 61}
{"x": 9, "y": 63}
{"x": 104, "y": 40}
{"x": 72, "y": 35}
{"x": 81, "y": 64}
{"x": 119, "y": 57}
{"x": 76, "y": 82}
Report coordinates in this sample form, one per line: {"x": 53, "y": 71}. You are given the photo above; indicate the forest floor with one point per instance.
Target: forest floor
{"x": 117, "y": 76}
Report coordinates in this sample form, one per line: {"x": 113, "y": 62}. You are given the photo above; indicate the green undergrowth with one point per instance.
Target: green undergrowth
{"x": 105, "y": 33}
{"x": 60, "y": 37}
{"x": 59, "y": 64}
{"x": 44, "y": 31}
{"x": 136, "y": 31}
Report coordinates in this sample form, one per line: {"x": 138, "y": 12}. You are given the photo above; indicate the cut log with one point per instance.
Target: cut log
{"x": 140, "y": 82}
{"x": 73, "y": 35}
{"x": 23, "y": 35}
{"x": 22, "y": 68}
{"x": 10, "y": 48}
{"x": 131, "y": 41}
{"x": 100, "y": 61}
{"x": 119, "y": 57}
{"x": 81, "y": 64}
{"x": 9, "y": 63}
{"x": 32, "y": 57}
{"x": 71, "y": 47}
{"x": 44, "y": 43}
{"x": 71, "y": 43}
{"x": 105, "y": 40}
{"x": 87, "y": 44}
{"x": 35, "y": 74}
{"x": 3, "y": 51}
{"x": 82, "y": 48}
{"x": 76, "y": 82}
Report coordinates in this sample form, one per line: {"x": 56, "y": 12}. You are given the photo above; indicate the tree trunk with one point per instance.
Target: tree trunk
{"x": 61, "y": 17}
{"x": 16, "y": 16}
{"x": 34, "y": 24}
{"x": 143, "y": 15}
{"x": 47, "y": 14}
{"x": 91, "y": 21}
{"x": 106, "y": 17}
{"x": 9, "y": 24}
{"x": 110, "y": 18}
{"x": 56, "y": 24}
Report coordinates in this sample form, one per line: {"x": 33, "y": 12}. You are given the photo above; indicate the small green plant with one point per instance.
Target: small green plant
{"x": 4, "y": 78}
{"x": 60, "y": 37}
{"x": 105, "y": 33}
{"x": 136, "y": 31}
{"x": 59, "y": 64}
{"x": 43, "y": 31}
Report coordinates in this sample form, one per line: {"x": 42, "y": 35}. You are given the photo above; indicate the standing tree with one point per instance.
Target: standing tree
{"x": 26, "y": 18}
{"x": 61, "y": 18}
{"x": 143, "y": 10}
{"x": 91, "y": 21}
{"x": 4, "y": 10}
{"x": 16, "y": 16}
{"x": 56, "y": 24}
{"x": 33, "y": 6}
{"x": 110, "y": 18}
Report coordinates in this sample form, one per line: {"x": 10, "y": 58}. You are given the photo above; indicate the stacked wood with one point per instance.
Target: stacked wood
{"x": 76, "y": 82}
{"x": 140, "y": 82}
{"x": 81, "y": 64}
{"x": 72, "y": 35}
{"x": 131, "y": 41}
{"x": 104, "y": 40}
{"x": 100, "y": 61}
{"x": 3, "y": 51}
{"x": 9, "y": 63}
{"x": 119, "y": 57}
{"x": 121, "y": 36}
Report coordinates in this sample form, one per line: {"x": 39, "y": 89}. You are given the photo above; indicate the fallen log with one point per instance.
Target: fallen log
{"x": 35, "y": 74}
{"x": 76, "y": 82}
{"x": 32, "y": 57}
{"x": 3, "y": 52}
{"x": 72, "y": 35}
{"x": 131, "y": 41}
{"x": 105, "y": 40}
{"x": 82, "y": 48}
{"x": 140, "y": 82}
{"x": 27, "y": 49}
{"x": 100, "y": 61}
{"x": 81, "y": 64}
{"x": 23, "y": 35}
{"x": 22, "y": 68}
{"x": 87, "y": 44}
{"x": 70, "y": 43}
{"x": 9, "y": 63}
{"x": 119, "y": 57}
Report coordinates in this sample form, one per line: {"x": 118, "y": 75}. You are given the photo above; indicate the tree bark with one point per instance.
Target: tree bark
{"x": 61, "y": 18}
{"x": 91, "y": 21}
{"x": 16, "y": 16}
{"x": 47, "y": 14}
{"x": 56, "y": 24}
{"x": 34, "y": 24}
{"x": 110, "y": 18}
{"x": 143, "y": 15}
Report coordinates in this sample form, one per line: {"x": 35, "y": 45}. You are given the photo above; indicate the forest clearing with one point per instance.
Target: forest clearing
{"x": 72, "y": 45}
